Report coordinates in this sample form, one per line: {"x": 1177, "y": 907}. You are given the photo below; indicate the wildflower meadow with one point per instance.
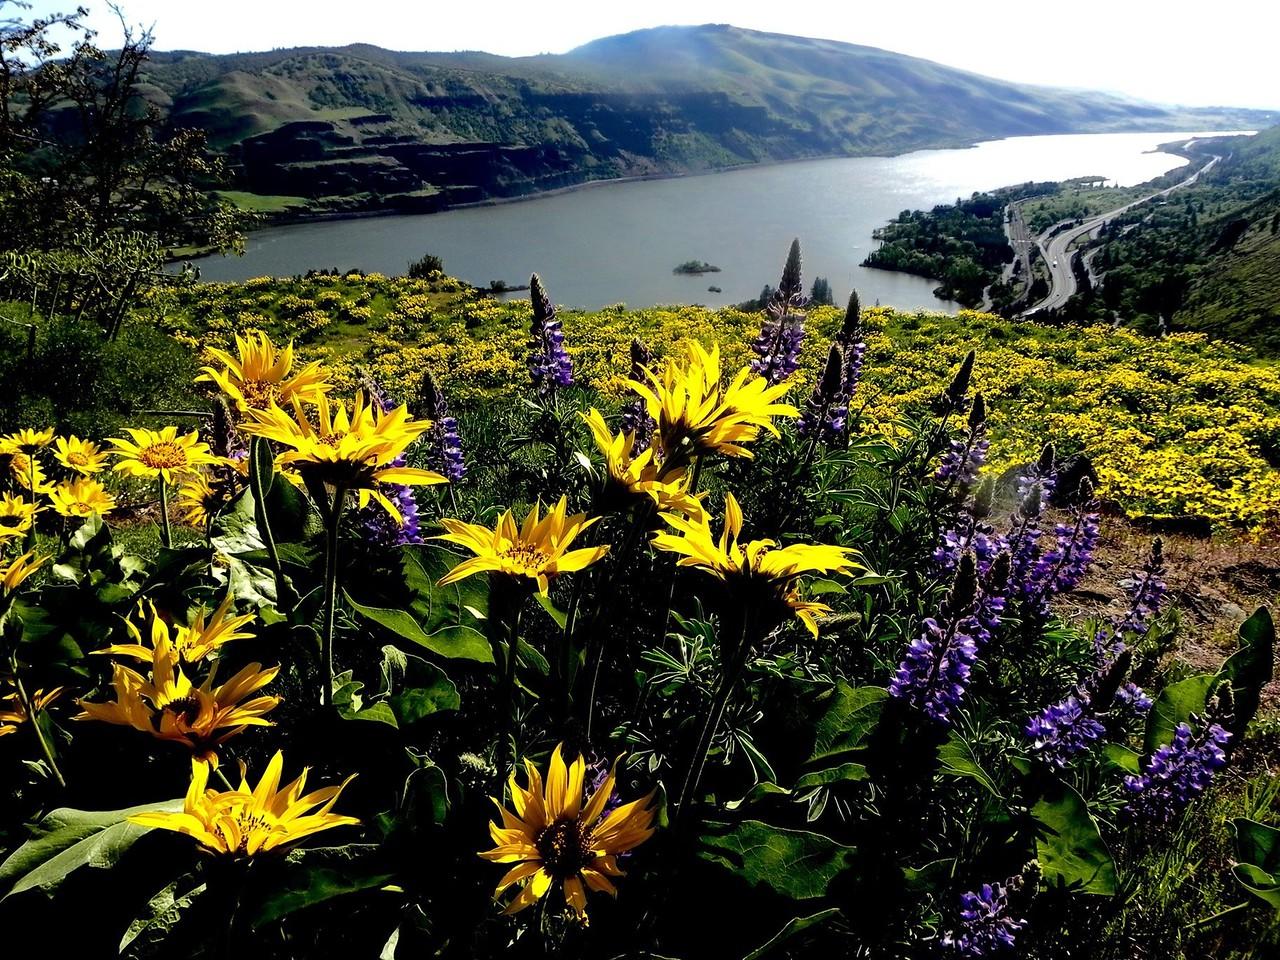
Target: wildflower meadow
{"x": 662, "y": 634}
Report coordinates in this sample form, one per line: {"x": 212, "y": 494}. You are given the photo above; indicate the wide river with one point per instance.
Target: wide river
{"x": 618, "y": 243}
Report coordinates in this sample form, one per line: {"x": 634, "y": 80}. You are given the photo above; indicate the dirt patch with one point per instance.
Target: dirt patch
{"x": 1214, "y": 582}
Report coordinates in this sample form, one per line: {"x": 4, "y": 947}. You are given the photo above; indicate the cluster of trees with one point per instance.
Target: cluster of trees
{"x": 95, "y": 188}
{"x": 962, "y": 244}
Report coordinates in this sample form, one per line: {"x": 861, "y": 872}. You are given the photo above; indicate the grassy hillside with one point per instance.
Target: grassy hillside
{"x": 1181, "y": 429}
{"x": 311, "y": 122}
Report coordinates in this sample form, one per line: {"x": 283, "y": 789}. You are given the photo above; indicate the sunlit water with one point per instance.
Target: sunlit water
{"x": 618, "y": 243}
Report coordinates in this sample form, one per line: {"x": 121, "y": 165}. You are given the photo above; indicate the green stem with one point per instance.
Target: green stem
{"x": 166, "y": 535}
{"x": 31, "y": 531}
{"x": 257, "y": 450}
{"x": 29, "y": 708}
{"x": 330, "y": 595}
{"x": 734, "y": 661}
{"x": 513, "y": 655}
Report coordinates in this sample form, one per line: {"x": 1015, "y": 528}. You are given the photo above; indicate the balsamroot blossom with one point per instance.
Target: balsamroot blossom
{"x": 1177, "y": 772}
{"x": 549, "y": 363}
{"x": 777, "y": 347}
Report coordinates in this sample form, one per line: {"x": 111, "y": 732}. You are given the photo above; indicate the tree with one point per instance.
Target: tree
{"x": 84, "y": 154}
{"x": 821, "y": 293}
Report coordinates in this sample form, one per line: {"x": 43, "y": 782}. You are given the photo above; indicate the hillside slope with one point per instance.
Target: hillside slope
{"x": 427, "y": 129}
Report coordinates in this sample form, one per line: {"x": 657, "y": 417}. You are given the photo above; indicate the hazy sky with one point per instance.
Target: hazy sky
{"x": 1176, "y": 51}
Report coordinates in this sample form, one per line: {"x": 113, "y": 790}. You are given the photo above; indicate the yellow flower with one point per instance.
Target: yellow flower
{"x": 168, "y": 706}
{"x": 347, "y": 451}
{"x": 30, "y": 441}
{"x": 192, "y": 643}
{"x": 758, "y": 570}
{"x": 161, "y": 453}
{"x": 533, "y": 553}
{"x": 13, "y": 713}
{"x": 250, "y": 820}
{"x": 16, "y": 516}
{"x": 554, "y": 837}
{"x": 18, "y": 570}
{"x": 82, "y": 497}
{"x": 81, "y": 456}
{"x": 696, "y": 414}
{"x": 638, "y": 475}
{"x": 260, "y": 377}
{"x": 25, "y": 469}
{"x": 199, "y": 498}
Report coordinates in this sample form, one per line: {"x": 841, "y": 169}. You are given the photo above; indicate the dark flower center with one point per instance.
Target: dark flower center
{"x": 565, "y": 848}
{"x": 188, "y": 708}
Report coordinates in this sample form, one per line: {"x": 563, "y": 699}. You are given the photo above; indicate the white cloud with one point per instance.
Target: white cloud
{"x": 1179, "y": 51}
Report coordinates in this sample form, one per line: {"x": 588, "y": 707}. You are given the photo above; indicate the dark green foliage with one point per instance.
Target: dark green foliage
{"x": 425, "y": 267}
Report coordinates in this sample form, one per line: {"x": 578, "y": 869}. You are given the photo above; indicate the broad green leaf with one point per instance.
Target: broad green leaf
{"x": 1250, "y": 668}
{"x": 454, "y": 643}
{"x": 1122, "y": 758}
{"x": 1069, "y": 846}
{"x": 956, "y": 758}
{"x": 432, "y": 691}
{"x": 68, "y": 839}
{"x": 162, "y": 913}
{"x": 1175, "y": 705}
{"x": 350, "y": 704}
{"x": 796, "y": 864}
{"x": 1257, "y": 843}
{"x": 561, "y": 617}
{"x": 311, "y": 876}
{"x": 850, "y": 716}
{"x": 794, "y": 926}
{"x": 1261, "y": 884}
{"x": 844, "y": 772}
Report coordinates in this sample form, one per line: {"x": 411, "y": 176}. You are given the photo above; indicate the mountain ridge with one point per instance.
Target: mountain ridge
{"x": 361, "y": 127}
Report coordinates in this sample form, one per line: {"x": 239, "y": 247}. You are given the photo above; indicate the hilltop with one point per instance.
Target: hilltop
{"x": 360, "y": 127}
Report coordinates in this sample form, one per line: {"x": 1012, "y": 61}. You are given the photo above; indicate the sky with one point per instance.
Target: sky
{"x": 1178, "y": 51}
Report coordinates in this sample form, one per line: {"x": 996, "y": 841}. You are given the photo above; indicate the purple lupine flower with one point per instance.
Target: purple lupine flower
{"x": 935, "y": 672}
{"x": 958, "y": 470}
{"x": 376, "y": 525}
{"x": 1035, "y": 486}
{"x": 1134, "y": 698}
{"x": 1146, "y": 596}
{"x": 549, "y": 363}
{"x": 443, "y": 443}
{"x": 380, "y": 528}
{"x": 1064, "y": 729}
{"x": 1062, "y": 567}
{"x": 824, "y": 414}
{"x": 777, "y": 347}
{"x": 852, "y": 341}
{"x": 635, "y": 412}
{"x": 1177, "y": 773}
{"x": 986, "y": 925}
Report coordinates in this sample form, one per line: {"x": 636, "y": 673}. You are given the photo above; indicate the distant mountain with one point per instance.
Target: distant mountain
{"x": 359, "y": 126}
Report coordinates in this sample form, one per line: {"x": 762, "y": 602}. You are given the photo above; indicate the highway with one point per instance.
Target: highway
{"x": 1056, "y": 247}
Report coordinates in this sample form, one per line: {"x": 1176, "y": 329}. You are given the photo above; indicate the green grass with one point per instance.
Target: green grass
{"x": 262, "y": 203}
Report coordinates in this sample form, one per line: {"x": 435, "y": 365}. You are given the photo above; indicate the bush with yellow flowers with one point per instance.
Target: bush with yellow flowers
{"x": 747, "y": 637}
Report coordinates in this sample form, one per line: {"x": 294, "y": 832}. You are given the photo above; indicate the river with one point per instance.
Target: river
{"x": 618, "y": 242}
